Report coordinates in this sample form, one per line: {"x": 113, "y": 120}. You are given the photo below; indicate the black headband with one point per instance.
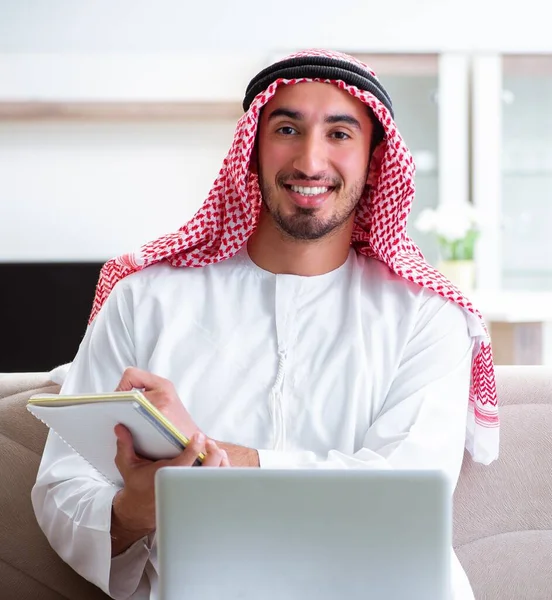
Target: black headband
{"x": 317, "y": 67}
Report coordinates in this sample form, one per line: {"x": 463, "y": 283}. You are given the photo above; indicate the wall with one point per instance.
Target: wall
{"x": 90, "y": 191}
{"x": 176, "y": 26}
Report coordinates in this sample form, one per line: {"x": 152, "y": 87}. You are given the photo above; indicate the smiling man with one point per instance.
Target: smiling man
{"x": 291, "y": 323}
{"x": 314, "y": 162}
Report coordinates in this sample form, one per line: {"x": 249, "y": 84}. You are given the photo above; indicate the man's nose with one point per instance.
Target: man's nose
{"x": 311, "y": 156}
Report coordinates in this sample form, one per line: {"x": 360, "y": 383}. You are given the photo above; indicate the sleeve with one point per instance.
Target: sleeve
{"x": 422, "y": 422}
{"x": 71, "y": 501}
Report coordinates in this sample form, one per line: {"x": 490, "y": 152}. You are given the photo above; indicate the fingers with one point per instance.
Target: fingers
{"x": 215, "y": 456}
{"x": 225, "y": 460}
{"x": 125, "y": 448}
{"x": 189, "y": 455}
{"x": 162, "y": 394}
{"x": 136, "y": 378}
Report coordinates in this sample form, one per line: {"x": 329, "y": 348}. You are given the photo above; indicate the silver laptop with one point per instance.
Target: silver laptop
{"x": 254, "y": 534}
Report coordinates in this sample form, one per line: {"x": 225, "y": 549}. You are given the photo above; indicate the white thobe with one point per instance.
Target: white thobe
{"x": 356, "y": 368}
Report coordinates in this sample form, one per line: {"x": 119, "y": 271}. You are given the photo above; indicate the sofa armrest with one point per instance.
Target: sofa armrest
{"x": 29, "y": 568}
{"x": 14, "y": 383}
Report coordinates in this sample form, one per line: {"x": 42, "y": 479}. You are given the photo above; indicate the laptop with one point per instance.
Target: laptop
{"x": 255, "y": 534}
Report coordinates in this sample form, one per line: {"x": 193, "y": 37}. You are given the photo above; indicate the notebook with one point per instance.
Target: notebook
{"x": 86, "y": 423}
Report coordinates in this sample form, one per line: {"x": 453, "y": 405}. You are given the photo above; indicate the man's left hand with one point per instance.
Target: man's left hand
{"x": 240, "y": 456}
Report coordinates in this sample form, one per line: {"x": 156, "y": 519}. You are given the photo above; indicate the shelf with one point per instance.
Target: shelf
{"x": 118, "y": 111}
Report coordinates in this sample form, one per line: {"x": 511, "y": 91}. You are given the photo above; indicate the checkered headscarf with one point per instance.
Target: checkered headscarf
{"x": 229, "y": 216}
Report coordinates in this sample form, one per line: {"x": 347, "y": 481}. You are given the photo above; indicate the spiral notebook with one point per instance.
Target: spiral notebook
{"x": 86, "y": 423}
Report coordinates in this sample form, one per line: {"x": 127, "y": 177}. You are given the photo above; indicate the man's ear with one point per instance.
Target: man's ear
{"x": 254, "y": 161}
{"x": 374, "y": 168}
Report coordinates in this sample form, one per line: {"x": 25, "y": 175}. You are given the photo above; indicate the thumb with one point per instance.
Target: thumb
{"x": 134, "y": 378}
{"x": 125, "y": 445}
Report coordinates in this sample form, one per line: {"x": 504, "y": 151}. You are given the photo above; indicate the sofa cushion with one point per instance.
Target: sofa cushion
{"x": 503, "y": 512}
{"x": 29, "y": 568}
{"x": 510, "y": 566}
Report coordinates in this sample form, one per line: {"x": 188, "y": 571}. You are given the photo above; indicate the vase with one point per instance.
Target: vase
{"x": 460, "y": 272}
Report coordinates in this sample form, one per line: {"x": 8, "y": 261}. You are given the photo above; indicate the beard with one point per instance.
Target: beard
{"x": 305, "y": 223}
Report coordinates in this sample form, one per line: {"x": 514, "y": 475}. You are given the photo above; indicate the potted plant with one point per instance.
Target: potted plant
{"x": 456, "y": 228}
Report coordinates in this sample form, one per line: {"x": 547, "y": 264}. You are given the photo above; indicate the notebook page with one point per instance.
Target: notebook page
{"x": 88, "y": 429}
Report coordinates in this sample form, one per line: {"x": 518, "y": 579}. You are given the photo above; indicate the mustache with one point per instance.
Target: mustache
{"x": 322, "y": 178}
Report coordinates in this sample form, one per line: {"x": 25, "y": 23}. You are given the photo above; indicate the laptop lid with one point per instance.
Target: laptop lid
{"x": 300, "y": 534}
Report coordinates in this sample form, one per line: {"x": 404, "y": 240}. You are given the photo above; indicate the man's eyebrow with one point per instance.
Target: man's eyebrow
{"x": 286, "y": 112}
{"x": 350, "y": 120}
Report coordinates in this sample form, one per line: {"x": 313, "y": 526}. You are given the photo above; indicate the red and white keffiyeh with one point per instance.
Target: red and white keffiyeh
{"x": 229, "y": 216}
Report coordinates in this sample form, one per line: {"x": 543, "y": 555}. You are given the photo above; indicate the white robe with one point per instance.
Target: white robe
{"x": 356, "y": 368}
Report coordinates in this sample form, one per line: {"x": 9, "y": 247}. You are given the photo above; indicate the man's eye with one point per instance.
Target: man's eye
{"x": 340, "y": 135}
{"x": 286, "y": 130}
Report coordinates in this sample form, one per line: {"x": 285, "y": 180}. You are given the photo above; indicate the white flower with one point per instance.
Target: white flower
{"x": 452, "y": 228}
{"x": 449, "y": 221}
{"x": 475, "y": 216}
{"x": 426, "y": 221}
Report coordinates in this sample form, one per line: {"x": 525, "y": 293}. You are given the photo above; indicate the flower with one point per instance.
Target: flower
{"x": 456, "y": 228}
{"x": 427, "y": 221}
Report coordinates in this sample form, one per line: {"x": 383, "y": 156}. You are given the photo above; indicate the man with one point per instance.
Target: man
{"x": 310, "y": 334}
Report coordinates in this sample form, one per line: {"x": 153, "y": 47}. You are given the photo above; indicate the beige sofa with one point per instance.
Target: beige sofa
{"x": 503, "y": 513}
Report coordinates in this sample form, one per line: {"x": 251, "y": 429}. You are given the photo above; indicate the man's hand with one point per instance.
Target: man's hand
{"x": 162, "y": 394}
{"x": 240, "y": 456}
{"x": 133, "y": 512}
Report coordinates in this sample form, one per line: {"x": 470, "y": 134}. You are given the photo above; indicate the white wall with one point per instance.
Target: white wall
{"x": 259, "y": 25}
{"x": 71, "y": 76}
{"x": 78, "y": 190}
{"x": 90, "y": 191}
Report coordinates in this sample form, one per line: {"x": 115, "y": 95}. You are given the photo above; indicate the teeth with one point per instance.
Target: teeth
{"x": 309, "y": 191}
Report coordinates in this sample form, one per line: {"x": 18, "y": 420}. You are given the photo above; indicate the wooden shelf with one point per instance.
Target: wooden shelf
{"x": 117, "y": 111}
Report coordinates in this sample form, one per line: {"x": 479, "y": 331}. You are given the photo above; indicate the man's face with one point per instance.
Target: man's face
{"x": 313, "y": 152}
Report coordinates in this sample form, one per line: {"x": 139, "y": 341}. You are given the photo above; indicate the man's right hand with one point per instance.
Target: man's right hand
{"x": 162, "y": 394}
{"x": 133, "y": 512}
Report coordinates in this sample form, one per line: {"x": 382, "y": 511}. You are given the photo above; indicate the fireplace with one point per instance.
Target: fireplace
{"x": 44, "y": 309}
